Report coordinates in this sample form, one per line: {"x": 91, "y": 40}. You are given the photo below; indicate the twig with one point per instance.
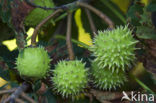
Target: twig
{"x": 24, "y": 96}
{"x": 19, "y": 100}
{"x": 91, "y": 22}
{"x": 73, "y": 40}
{"x": 64, "y": 7}
{"x": 68, "y": 37}
{"x": 144, "y": 86}
{"x": 17, "y": 92}
{"x": 7, "y": 91}
{"x": 97, "y": 12}
{"x": 20, "y": 40}
{"x": 33, "y": 39}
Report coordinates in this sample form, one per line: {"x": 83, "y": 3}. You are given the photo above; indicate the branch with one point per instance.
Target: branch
{"x": 97, "y": 12}
{"x": 72, "y": 6}
{"x": 92, "y": 25}
{"x": 68, "y": 37}
{"x": 19, "y": 100}
{"x": 106, "y": 96}
{"x": 17, "y": 92}
{"x": 33, "y": 39}
{"x": 24, "y": 96}
{"x": 63, "y": 7}
{"x": 20, "y": 40}
{"x": 7, "y": 91}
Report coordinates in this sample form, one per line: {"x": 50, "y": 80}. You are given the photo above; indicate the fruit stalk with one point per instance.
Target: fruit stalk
{"x": 68, "y": 37}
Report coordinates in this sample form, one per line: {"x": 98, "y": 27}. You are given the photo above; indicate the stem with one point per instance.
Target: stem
{"x": 7, "y": 91}
{"x": 24, "y": 96}
{"x": 143, "y": 85}
{"x": 97, "y": 12}
{"x": 17, "y": 92}
{"x": 91, "y": 22}
{"x": 73, "y": 40}
{"x": 68, "y": 37}
{"x": 64, "y": 7}
{"x": 122, "y": 18}
{"x": 20, "y": 40}
{"x": 18, "y": 100}
{"x": 33, "y": 39}
{"x": 60, "y": 17}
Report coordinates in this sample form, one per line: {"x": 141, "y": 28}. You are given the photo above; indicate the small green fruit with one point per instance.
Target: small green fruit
{"x": 70, "y": 78}
{"x": 114, "y": 49}
{"x": 38, "y": 14}
{"x": 33, "y": 62}
{"x": 106, "y": 79}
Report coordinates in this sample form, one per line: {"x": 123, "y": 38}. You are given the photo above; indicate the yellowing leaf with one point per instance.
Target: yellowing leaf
{"x": 29, "y": 33}
{"x": 82, "y": 35}
{"x": 11, "y": 44}
{"x": 122, "y": 4}
{"x": 3, "y": 82}
{"x": 138, "y": 69}
{"x": 145, "y": 2}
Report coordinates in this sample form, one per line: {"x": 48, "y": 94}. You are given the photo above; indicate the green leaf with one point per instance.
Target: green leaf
{"x": 152, "y": 6}
{"x": 133, "y": 10}
{"x": 144, "y": 85}
{"x": 144, "y": 32}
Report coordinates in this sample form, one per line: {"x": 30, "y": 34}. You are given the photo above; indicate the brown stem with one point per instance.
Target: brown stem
{"x": 91, "y": 22}
{"x": 20, "y": 40}
{"x": 17, "y": 92}
{"x": 19, "y": 100}
{"x": 97, "y": 12}
{"x": 7, "y": 91}
{"x": 68, "y": 37}
{"x": 24, "y": 96}
{"x": 33, "y": 39}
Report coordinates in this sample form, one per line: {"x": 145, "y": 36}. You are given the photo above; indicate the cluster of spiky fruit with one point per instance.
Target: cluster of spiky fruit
{"x": 38, "y": 14}
{"x": 33, "y": 62}
{"x": 114, "y": 53}
{"x": 70, "y": 78}
{"x": 114, "y": 49}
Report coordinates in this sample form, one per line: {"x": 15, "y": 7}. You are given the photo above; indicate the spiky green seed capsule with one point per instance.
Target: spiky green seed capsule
{"x": 38, "y": 14}
{"x": 106, "y": 79}
{"x": 33, "y": 62}
{"x": 70, "y": 78}
{"x": 114, "y": 49}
